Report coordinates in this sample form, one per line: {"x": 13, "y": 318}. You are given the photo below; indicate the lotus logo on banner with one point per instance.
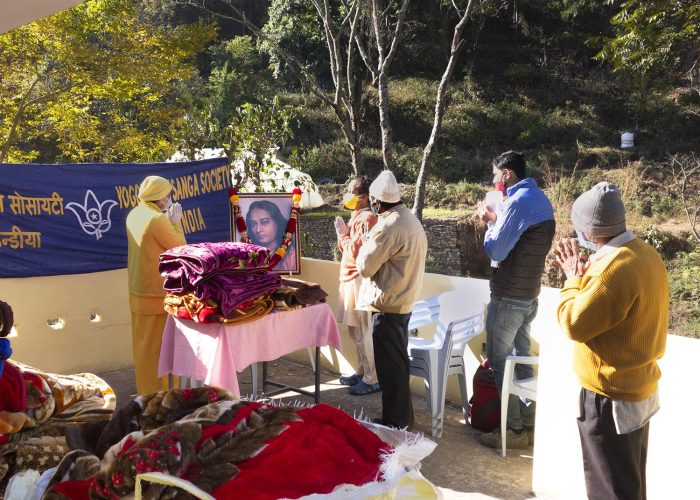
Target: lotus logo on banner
{"x": 92, "y": 215}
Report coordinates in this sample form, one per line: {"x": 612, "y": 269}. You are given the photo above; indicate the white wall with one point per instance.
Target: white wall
{"x": 81, "y": 345}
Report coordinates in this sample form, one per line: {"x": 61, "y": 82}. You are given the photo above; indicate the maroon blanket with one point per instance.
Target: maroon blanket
{"x": 231, "y": 289}
{"x": 187, "y": 265}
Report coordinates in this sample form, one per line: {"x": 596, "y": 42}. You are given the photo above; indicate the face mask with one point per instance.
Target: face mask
{"x": 350, "y": 201}
{"x": 585, "y": 242}
{"x": 499, "y": 186}
{"x": 166, "y": 204}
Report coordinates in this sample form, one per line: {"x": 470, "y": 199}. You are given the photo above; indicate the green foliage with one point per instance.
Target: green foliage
{"x": 253, "y": 134}
{"x": 93, "y": 83}
{"x": 240, "y": 73}
{"x": 684, "y": 280}
{"x": 323, "y": 160}
{"x": 293, "y": 25}
{"x": 654, "y": 35}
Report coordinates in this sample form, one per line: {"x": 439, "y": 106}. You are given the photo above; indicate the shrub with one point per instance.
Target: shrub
{"x": 323, "y": 160}
{"x": 684, "y": 279}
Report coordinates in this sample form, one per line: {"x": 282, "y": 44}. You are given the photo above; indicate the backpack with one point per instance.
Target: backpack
{"x": 485, "y": 411}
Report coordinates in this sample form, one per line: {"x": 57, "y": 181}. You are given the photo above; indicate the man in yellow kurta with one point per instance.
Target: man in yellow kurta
{"x": 152, "y": 227}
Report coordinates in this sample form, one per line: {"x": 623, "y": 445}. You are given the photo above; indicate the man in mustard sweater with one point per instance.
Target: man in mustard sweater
{"x": 614, "y": 305}
{"x": 152, "y": 227}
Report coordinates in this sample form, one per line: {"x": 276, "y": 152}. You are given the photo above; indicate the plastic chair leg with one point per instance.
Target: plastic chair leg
{"x": 505, "y": 396}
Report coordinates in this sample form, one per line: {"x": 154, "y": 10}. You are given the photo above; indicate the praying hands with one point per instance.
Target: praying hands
{"x": 568, "y": 256}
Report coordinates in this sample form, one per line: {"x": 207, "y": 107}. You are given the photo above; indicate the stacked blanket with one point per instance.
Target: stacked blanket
{"x": 223, "y": 282}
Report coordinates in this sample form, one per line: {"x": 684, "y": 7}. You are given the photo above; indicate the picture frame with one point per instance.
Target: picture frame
{"x": 266, "y": 216}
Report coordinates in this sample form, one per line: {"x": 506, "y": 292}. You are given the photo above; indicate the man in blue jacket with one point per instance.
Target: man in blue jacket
{"x": 518, "y": 240}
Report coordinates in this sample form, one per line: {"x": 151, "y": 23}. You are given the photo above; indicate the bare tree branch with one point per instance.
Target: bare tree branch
{"x": 457, "y": 44}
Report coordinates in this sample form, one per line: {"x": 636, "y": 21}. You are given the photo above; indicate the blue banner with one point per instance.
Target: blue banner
{"x": 71, "y": 219}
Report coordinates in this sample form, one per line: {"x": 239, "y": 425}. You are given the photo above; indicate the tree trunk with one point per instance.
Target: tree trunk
{"x": 384, "y": 123}
{"x": 457, "y": 44}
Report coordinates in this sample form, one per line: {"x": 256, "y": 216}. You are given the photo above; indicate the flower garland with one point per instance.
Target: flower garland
{"x": 289, "y": 231}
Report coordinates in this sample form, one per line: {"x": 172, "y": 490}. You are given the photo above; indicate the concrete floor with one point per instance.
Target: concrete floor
{"x": 458, "y": 463}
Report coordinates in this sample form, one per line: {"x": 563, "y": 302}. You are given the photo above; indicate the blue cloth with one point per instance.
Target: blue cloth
{"x": 508, "y": 327}
{"x": 70, "y": 219}
{"x": 5, "y": 353}
{"x": 525, "y": 206}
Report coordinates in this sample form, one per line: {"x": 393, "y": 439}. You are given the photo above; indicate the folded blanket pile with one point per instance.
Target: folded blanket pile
{"x": 225, "y": 282}
{"x": 295, "y": 294}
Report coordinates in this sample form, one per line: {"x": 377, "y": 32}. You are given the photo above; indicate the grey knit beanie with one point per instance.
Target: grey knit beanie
{"x": 599, "y": 211}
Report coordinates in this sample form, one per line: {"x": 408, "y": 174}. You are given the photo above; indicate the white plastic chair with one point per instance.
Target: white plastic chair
{"x": 425, "y": 312}
{"x": 436, "y": 359}
{"x": 524, "y": 388}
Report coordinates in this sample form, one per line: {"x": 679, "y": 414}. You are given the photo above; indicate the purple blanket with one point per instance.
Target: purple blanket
{"x": 185, "y": 266}
{"x": 233, "y": 288}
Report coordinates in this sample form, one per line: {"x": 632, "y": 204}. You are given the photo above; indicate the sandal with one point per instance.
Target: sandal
{"x": 353, "y": 379}
{"x": 361, "y": 389}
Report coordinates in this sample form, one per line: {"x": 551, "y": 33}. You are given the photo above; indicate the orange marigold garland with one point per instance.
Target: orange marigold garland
{"x": 289, "y": 231}
{"x": 237, "y": 216}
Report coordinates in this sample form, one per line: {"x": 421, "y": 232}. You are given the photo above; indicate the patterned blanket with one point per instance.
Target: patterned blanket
{"x": 230, "y": 449}
{"x": 35, "y": 408}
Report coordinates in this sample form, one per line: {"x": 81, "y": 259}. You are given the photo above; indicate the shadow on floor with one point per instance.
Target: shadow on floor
{"x": 459, "y": 462}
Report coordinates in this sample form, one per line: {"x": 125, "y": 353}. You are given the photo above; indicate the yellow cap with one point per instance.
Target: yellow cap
{"x": 154, "y": 188}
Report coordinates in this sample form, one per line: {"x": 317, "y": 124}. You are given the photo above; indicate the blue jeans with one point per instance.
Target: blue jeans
{"x": 507, "y": 329}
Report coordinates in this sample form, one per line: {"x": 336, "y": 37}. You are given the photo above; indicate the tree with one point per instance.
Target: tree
{"x": 655, "y": 35}
{"x": 93, "y": 83}
{"x": 456, "y": 47}
{"x": 252, "y": 136}
{"x": 384, "y": 39}
{"x": 339, "y": 23}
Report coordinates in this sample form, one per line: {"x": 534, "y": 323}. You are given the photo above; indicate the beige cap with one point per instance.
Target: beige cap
{"x": 385, "y": 188}
{"x": 154, "y": 188}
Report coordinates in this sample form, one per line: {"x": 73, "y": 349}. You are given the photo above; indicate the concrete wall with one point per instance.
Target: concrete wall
{"x": 82, "y": 345}
{"x": 455, "y": 245}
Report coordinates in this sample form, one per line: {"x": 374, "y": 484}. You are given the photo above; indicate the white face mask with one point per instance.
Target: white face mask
{"x": 585, "y": 242}
{"x": 165, "y": 204}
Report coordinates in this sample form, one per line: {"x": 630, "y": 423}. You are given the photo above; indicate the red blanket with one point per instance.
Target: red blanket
{"x": 304, "y": 451}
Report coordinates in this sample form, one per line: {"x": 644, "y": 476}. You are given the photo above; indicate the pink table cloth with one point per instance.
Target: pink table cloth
{"x": 213, "y": 352}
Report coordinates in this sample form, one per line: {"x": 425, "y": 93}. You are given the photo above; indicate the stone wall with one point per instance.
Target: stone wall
{"x": 455, "y": 245}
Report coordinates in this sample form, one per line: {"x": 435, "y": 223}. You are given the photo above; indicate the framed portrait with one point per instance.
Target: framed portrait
{"x": 266, "y": 216}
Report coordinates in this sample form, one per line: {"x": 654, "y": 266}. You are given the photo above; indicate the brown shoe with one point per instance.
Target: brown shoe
{"x": 513, "y": 439}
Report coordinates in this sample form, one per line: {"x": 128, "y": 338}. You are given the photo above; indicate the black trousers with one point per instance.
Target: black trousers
{"x": 614, "y": 464}
{"x": 390, "y": 340}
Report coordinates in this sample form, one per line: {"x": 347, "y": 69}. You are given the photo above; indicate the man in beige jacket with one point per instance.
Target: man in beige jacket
{"x": 393, "y": 261}
{"x": 152, "y": 227}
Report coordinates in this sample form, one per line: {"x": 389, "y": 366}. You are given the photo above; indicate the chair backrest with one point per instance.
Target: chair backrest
{"x": 464, "y": 330}
{"x": 457, "y": 333}
{"x": 425, "y": 312}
